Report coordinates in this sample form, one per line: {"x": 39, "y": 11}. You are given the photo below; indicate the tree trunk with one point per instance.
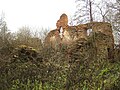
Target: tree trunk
{"x": 90, "y": 5}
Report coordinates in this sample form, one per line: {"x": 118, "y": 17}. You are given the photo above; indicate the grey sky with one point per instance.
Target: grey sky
{"x": 35, "y": 13}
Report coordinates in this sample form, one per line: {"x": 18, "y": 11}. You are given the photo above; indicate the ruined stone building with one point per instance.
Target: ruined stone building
{"x": 67, "y": 35}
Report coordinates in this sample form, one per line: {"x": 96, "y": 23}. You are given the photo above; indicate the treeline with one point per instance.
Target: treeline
{"x": 23, "y": 36}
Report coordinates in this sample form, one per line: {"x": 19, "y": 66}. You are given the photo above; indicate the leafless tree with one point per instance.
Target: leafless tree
{"x": 84, "y": 11}
{"x": 113, "y": 16}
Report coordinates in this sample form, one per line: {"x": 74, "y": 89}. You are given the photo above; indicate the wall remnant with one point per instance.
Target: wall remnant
{"x": 66, "y": 35}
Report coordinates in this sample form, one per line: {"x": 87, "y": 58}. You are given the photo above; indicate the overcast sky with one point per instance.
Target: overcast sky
{"x": 35, "y": 13}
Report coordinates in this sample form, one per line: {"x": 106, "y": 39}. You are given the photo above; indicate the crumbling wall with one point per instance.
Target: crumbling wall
{"x": 69, "y": 35}
{"x": 101, "y": 32}
{"x": 56, "y": 38}
{"x": 104, "y": 29}
{"x": 53, "y": 39}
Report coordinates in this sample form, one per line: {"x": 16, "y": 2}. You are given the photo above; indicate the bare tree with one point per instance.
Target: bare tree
{"x": 27, "y": 36}
{"x": 3, "y": 27}
{"x": 90, "y": 8}
{"x": 43, "y": 33}
{"x": 102, "y": 9}
{"x": 84, "y": 11}
{"x": 113, "y": 16}
{"x": 5, "y": 34}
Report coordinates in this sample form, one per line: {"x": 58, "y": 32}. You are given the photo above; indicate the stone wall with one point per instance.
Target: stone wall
{"x": 67, "y": 35}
